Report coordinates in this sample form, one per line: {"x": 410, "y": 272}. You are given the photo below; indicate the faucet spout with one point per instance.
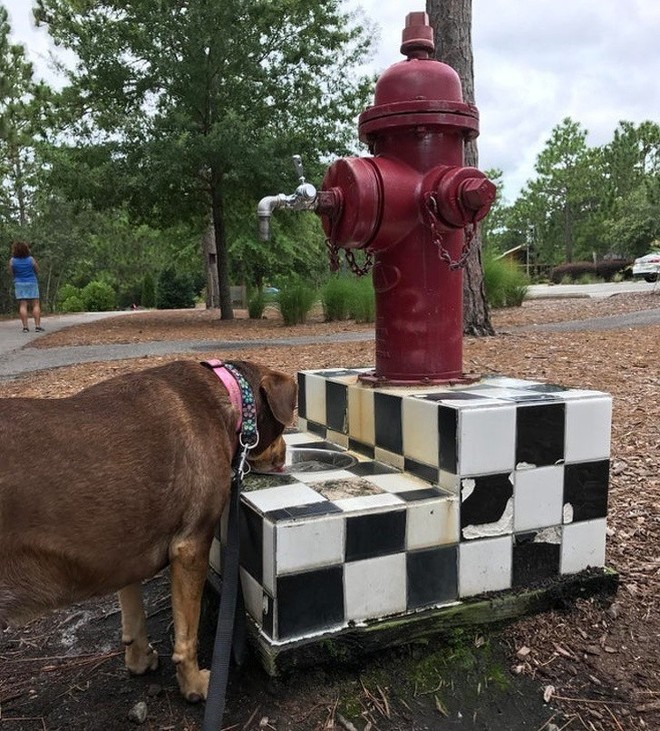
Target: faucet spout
{"x": 265, "y": 210}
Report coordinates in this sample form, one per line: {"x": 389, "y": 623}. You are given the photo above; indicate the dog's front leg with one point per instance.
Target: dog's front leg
{"x": 140, "y": 656}
{"x": 188, "y": 567}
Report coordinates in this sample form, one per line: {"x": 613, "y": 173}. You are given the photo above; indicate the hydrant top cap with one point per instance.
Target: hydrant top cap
{"x": 417, "y": 36}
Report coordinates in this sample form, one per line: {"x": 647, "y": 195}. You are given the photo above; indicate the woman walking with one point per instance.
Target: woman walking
{"x": 24, "y": 269}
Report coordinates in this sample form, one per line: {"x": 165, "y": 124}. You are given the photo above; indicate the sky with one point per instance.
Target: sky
{"x": 535, "y": 62}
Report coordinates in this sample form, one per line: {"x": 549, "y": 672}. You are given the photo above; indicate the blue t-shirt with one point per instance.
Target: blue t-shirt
{"x": 23, "y": 268}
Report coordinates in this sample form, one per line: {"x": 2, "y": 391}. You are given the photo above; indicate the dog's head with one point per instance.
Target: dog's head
{"x": 275, "y": 395}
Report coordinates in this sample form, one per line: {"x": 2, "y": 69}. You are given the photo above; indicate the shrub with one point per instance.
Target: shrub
{"x": 256, "y": 305}
{"x": 148, "y": 296}
{"x": 335, "y": 297}
{"x": 73, "y": 303}
{"x": 295, "y": 301}
{"x": 572, "y": 271}
{"x": 608, "y": 269}
{"x": 65, "y": 292}
{"x": 505, "y": 285}
{"x": 174, "y": 291}
{"x": 362, "y": 302}
{"x": 98, "y": 297}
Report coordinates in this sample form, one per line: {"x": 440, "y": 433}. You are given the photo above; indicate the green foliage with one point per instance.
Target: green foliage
{"x": 148, "y": 295}
{"x": 66, "y": 291}
{"x": 256, "y": 305}
{"x": 361, "y": 302}
{"x": 174, "y": 290}
{"x": 505, "y": 284}
{"x": 335, "y": 297}
{"x": 296, "y": 300}
{"x": 99, "y": 297}
{"x": 73, "y": 303}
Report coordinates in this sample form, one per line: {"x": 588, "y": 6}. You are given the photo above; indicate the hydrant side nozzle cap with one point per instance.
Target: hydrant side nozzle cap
{"x": 417, "y": 36}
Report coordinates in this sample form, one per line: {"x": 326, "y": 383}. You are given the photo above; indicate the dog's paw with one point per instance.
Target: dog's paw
{"x": 140, "y": 660}
{"x": 197, "y": 687}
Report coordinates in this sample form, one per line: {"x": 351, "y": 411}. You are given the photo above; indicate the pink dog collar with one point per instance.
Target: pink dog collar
{"x": 218, "y": 367}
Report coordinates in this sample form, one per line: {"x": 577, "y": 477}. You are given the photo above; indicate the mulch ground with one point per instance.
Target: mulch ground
{"x": 597, "y": 664}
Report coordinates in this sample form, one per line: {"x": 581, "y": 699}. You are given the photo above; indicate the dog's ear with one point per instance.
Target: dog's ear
{"x": 281, "y": 392}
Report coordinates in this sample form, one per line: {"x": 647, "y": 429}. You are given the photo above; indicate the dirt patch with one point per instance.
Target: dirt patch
{"x": 598, "y": 664}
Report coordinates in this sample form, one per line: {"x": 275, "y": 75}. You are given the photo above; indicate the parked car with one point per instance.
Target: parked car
{"x": 647, "y": 266}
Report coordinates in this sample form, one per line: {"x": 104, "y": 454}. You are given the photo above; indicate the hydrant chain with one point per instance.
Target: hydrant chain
{"x": 355, "y": 267}
{"x": 468, "y": 240}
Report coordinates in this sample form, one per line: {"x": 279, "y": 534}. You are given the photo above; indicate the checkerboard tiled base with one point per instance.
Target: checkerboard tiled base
{"x": 457, "y": 491}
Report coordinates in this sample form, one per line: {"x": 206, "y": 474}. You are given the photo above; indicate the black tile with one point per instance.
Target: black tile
{"x": 366, "y": 450}
{"x": 379, "y": 534}
{"x": 387, "y": 417}
{"x": 534, "y": 561}
{"x": 312, "y": 510}
{"x": 319, "y": 429}
{"x": 447, "y": 429}
{"x": 432, "y": 576}
{"x": 423, "y": 471}
{"x": 336, "y": 406}
{"x": 540, "y": 434}
{"x": 545, "y": 387}
{"x": 585, "y": 488}
{"x": 313, "y": 600}
{"x": 362, "y": 469}
{"x": 251, "y": 542}
{"x": 302, "y": 399}
{"x": 411, "y": 496}
{"x": 487, "y": 502}
{"x": 341, "y": 373}
{"x": 452, "y": 396}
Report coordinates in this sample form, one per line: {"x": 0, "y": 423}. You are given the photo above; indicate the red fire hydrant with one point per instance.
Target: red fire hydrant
{"x": 413, "y": 207}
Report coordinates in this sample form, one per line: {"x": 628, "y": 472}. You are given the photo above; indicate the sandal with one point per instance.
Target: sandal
{"x": 39, "y": 329}
{"x": 26, "y": 329}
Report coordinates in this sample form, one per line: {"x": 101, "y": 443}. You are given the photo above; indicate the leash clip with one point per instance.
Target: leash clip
{"x": 243, "y": 467}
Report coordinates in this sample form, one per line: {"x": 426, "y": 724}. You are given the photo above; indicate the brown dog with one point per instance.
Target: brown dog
{"x": 105, "y": 488}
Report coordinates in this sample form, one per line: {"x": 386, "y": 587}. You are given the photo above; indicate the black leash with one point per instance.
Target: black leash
{"x": 230, "y": 597}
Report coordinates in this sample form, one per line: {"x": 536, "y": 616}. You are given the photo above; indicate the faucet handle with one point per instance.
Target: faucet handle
{"x": 298, "y": 166}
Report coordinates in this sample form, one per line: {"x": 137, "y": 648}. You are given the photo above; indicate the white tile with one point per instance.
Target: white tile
{"x": 301, "y": 437}
{"x": 420, "y": 430}
{"x": 578, "y": 393}
{"x": 310, "y": 543}
{"x": 485, "y": 565}
{"x": 283, "y": 496}
{"x": 368, "y": 502}
{"x": 315, "y": 398}
{"x": 375, "y": 587}
{"x": 337, "y": 438}
{"x": 588, "y": 429}
{"x": 389, "y": 458}
{"x": 486, "y": 440}
{"x": 361, "y": 424}
{"x": 301, "y": 424}
{"x": 215, "y": 556}
{"x": 253, "y": 596}
{"x": 268, "y": 568}
{"x": 449, "y": 481}
{"x": 507, "y": 382}
{"x": 583, "y": 545}
{"x": 538, "y": 497}
{"x": 398, "y": 482}
{"x": 432, "y": 523}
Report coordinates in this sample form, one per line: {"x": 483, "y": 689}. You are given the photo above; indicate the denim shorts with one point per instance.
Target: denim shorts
{"x": 26, "y": 290}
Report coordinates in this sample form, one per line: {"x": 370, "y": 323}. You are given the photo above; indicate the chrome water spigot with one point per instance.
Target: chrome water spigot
{"x": 302, "y": 199}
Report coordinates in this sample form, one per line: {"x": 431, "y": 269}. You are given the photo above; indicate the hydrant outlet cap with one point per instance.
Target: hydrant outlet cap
{"x": 417, "y": 36}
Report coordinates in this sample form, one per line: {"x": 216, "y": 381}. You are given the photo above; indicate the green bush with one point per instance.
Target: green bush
{"x": 65, "y": 292}
{"x": 73, "y": 303}
{"x": 504, "y": 283}
{"x": 148, "y": 296}
{"x": 99, "y": 297}
{"x": 256, "y": 305}
{"x": 174, "y": 291}
{"x": 335, "y": 297}
{"x": 362, "y": 302}
{"x": 296, "y": 300}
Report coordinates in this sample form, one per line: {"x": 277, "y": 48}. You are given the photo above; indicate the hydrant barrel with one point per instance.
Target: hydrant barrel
{"x": 414, "y": 206}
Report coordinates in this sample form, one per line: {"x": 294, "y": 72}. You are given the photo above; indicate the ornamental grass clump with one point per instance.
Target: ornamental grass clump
{"x": 295, "y": 301}
{"x": 504, "y": 283}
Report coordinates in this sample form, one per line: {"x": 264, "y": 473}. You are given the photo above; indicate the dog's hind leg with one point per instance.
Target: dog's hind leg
{"x": 140, "y": 656}
{"x": 188, "y": 567}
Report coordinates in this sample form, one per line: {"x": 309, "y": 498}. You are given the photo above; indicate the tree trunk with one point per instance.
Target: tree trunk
{"x": 217, "y": 209}
{"x": 452, "y": 26}
{"x": 211, "y": 263}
